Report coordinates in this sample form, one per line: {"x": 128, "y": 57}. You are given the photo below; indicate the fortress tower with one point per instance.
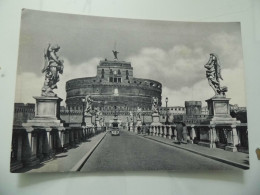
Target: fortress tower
{"x": 114, "y": 85}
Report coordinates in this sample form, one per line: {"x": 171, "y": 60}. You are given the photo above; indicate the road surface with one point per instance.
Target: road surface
{"x": 130, "y": 152}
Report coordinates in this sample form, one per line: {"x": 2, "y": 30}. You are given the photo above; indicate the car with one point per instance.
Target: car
{"x": 115, "y": 128}
{"x": 115, "y": 131}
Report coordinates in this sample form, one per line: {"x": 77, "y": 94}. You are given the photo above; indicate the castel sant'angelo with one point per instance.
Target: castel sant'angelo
{"x": 114, "y": 85}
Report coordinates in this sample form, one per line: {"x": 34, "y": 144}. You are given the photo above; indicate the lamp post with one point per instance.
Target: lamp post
{"x": 166, "y": 101}
{"x": 83, "y": 124}
{"x": 115, "y": 112}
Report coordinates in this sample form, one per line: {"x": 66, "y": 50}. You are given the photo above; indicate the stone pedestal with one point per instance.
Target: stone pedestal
{"x": 156, "y": 119}
{"x": 47, "y": 118}
{"x": 47, "y": 113}
{"x": 131, "y": 126}
{"x": 88, "y": 120}
{"x": 219, "y": 111}
{"x": 97, "y": 122}
{"x": 219, "y": 115}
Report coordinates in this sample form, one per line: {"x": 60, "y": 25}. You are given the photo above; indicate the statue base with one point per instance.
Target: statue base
{"x": 219, "y": 112}
{"x": 97, "y": 122}
{"x": 131, "y": 126}
{"x": 88, "y": 120}
{"x": 47, "y": 112}
{"x": 156, "y": 119}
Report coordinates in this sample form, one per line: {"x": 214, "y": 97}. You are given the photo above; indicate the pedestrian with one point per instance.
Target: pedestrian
{"x": 179, "y": 128}
{"x": 184, "y": 133}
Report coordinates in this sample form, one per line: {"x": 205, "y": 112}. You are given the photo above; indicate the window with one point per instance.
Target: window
{"x": 127, "y": 74}
{"x": 115, "y": 80}
{"x": 102, "y": 73}
{"x": 118, "y": 72}
{"x": 111, "y": 79}
{"x": 119, "y": 80}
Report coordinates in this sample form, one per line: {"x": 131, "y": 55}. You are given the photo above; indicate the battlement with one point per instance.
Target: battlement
{"x": 115, "y": 63}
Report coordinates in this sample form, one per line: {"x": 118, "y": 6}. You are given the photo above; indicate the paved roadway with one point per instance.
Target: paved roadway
{"x": 130, "y": 152}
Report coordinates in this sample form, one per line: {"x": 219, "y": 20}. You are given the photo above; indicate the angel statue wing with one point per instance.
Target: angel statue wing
{"x": 46, "y": 59}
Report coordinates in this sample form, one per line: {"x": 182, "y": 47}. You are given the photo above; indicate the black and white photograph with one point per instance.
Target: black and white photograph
{"x": 103, "y": 94}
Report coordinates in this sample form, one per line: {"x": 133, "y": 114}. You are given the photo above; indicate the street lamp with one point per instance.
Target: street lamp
{"x": 166, "y": 101}
{"x": 83, "y": 124}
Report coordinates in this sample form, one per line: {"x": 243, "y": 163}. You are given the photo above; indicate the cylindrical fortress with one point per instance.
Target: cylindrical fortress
{"x": 114, "y": 85}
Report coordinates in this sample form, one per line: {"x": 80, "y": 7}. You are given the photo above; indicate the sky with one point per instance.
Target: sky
{"x": 173, "y": 53}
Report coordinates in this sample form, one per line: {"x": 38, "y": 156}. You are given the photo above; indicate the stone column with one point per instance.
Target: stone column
{"x": 160, "y": 131}
{"x": 149, "y": 130}
{"x": 88, "y": 131}
{"x": 49, "y": 140}
{"x": 32, "y": 160}
{"x": 152, "y": 130}
{"x": 61, "y": 136}
{"x": 188, "y": 135}
{"x": 40, "y": 146}
{"x": 212, "y": 136}
{"x": 234, "y": 139}
{"x": 77, "y": 135}
{"x": 174, "y": 133}
{"x": 19, "y": 147}
{"x": 165, "y": 131}
{"x": 239, "y": 136}
{"x": 170, "y": 132}
{"x": 192, "y": 134}
{"x": 157, "y": 130}
{"x": 33, "y": 142}
{"x": 83, "y": 134}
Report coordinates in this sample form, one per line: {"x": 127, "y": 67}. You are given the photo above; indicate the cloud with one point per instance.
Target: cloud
{"x": 175, "y": 68}
{"x": 71, "y": 71}
{"x": 29, "y": 84}
{"x": 228, "y": 47}
{"x": 180, "y": 69}
{"x": 201, "y": 91}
